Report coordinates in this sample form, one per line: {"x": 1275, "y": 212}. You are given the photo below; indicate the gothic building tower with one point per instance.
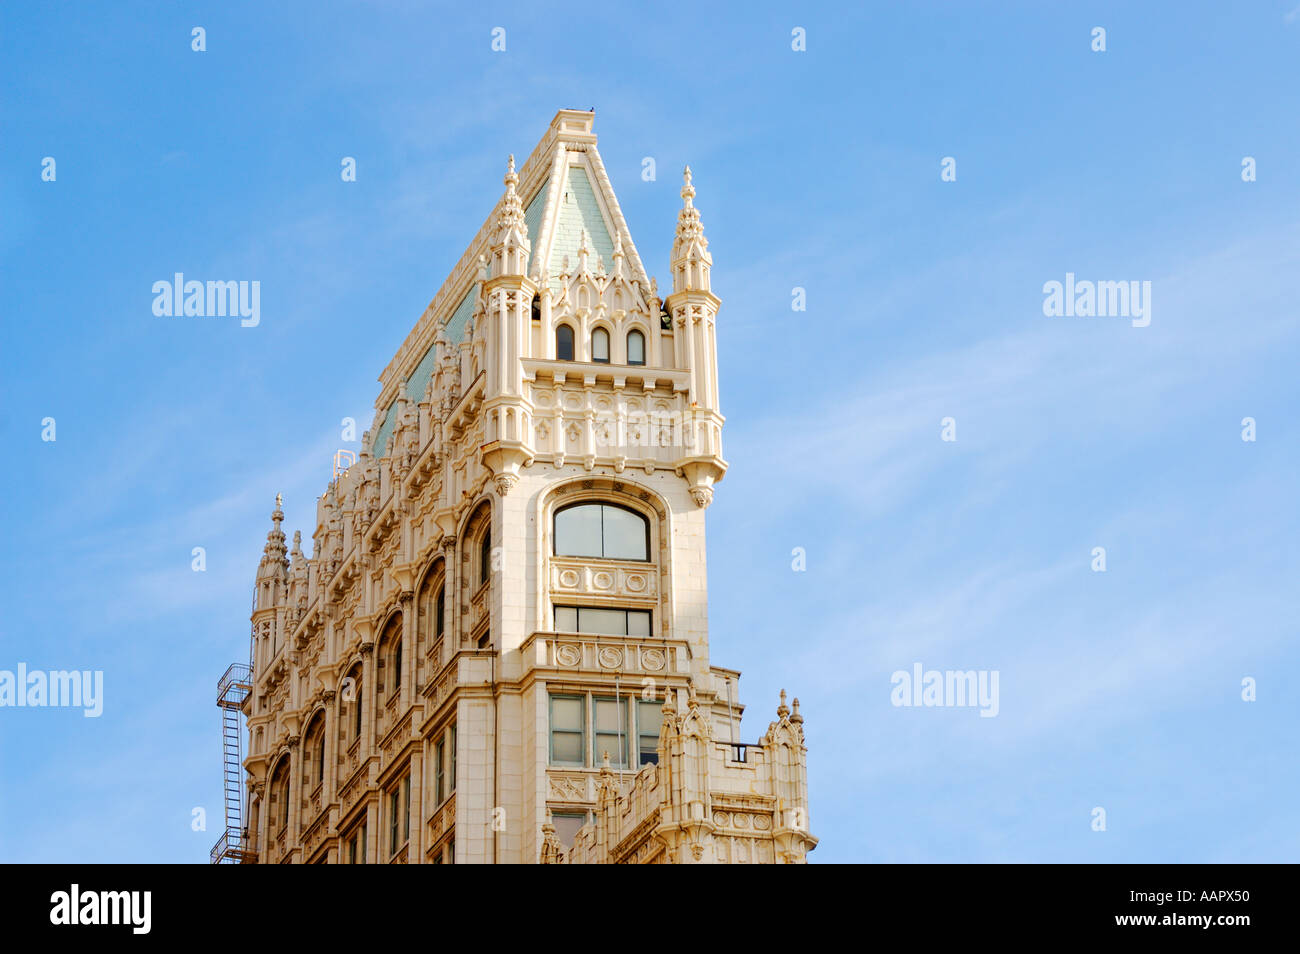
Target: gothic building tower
{"x": 498, "y": 650}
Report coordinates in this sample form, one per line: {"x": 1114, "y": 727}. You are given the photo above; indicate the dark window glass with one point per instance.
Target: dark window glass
{"x": 564, "y": 343}
{"x": 397, "y": 668}
{"x": 439, "y": 783}
{"x": 636, "y": 348}
{"x": 485, "y": 557}
{"x": 600, "y": 346}
{"x": 441, "y": 611}
{"x": 394, "y": 803}
{"x": 601, "y": 530}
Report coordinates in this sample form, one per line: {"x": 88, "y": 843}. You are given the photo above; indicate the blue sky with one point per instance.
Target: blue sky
{"x": 818, "y": 169}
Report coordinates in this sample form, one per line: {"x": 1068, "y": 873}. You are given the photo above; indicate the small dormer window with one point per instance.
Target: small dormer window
{"x": 635, "y": 348}
{"x": 564, "y": 343}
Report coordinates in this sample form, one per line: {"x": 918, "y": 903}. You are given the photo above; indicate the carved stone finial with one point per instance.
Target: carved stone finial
{"x": 795, "y": 717}
{"x": 782, "y": 710}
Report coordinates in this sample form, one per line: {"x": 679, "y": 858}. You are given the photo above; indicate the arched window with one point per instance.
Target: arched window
{"x": 536, "y": 308}
{"x": 313, "y": 770}
{"x": 564, "y": 343}
{"x": 600, "y": 346}
{"x": 601, "y": 530}
{"x": 635, "y": 348}
{"x": 280, "y": 791}
{"x": 485, "y": 556}
{"x": 440, "y": 612}
{"x": 390, "y": 659}
{"x": 350, "y": 703}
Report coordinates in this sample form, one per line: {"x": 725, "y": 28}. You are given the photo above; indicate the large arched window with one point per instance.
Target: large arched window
{"x": 600, "y": 346}
{"x": 564, "y": 343}
{"x": 601, "y": 530}
{"x": 280, "y": 793}
{"x": 635, "y": 348}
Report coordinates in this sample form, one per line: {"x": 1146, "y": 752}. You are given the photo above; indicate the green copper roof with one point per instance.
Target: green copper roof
{"x": 419, "y": 379}
{"x": 385, "y": 430}
{"x": 533, "y": 221}
{"x": 460, "y": 317}
{"x": 578, "y": 210}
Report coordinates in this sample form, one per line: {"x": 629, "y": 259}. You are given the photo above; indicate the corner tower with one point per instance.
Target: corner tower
{"x": 499, "y": 649}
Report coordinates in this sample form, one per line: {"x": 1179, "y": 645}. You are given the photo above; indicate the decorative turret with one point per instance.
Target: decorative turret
{"x": 506, "y": 300}
{"x": 691, "y": 261}
{"x": 693, "y": 310}
{"x": 511, "y": 246}
{"x": 274, "y": 567}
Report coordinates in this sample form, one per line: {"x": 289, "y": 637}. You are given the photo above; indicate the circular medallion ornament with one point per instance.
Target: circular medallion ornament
{"x": 610, "y": 657}
{"x": 567, "y": 654}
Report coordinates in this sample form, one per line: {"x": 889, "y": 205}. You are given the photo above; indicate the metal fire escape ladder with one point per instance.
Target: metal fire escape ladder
{"x": 232, "y": 689}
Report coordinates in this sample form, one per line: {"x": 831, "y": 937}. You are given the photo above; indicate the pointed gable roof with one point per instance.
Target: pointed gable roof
{"x": 564, "y": 161}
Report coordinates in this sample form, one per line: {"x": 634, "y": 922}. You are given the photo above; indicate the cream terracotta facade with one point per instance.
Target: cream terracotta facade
{"x": 408, "y": 678}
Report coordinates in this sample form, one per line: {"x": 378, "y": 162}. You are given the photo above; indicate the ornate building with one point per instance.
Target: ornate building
{"x": 498, "y": 650}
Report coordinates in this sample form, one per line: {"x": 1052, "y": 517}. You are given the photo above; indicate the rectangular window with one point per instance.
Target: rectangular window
{"x": 352, "y": 851}
{"x": 602, "y": 621}
{"x": 394, "y": 806}
{"x": 568, "y": 730}
{"x": 406, "y": 802}
{"x": 438, "y": 779}
{"x": 649, "y": 717}
{"x": 451, "y": 742}
{"x": 611, "y": 732}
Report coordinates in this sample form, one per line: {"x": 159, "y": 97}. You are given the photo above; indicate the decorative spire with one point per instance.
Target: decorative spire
{"x": 691, "y": 260}
{"x": 275, "y": 561}
{"x": 782, "y": 710}
{"x": 510, "y": 253}
{"x": 795, "y": 717}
